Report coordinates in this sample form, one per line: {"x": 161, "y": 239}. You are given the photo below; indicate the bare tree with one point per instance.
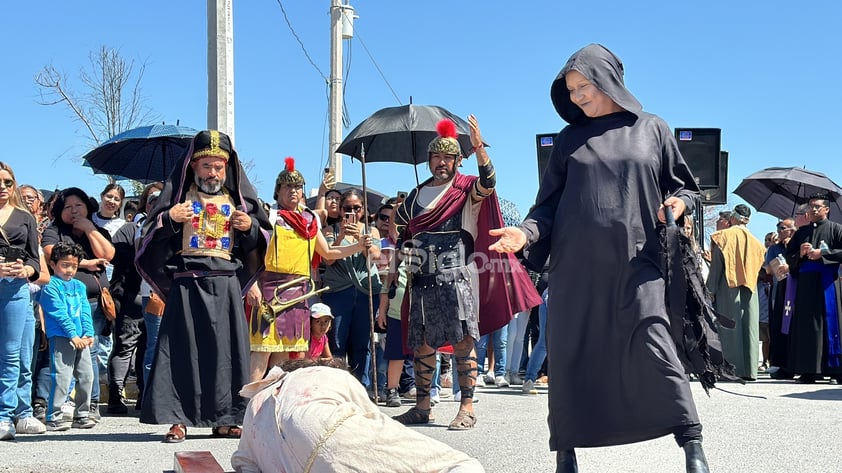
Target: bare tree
{"x": 111, "y": 100}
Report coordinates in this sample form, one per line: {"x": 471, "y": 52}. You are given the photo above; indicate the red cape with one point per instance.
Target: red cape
{"x": 504, "y": 284}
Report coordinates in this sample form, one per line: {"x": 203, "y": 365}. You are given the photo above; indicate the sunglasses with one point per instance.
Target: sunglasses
{"x": 7, "y": 183}
{"x": 355, "y": 208}
{"x": 383, "y": 217}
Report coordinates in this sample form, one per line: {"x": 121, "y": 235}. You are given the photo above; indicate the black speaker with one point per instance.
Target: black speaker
{"x": 700, "y": 148}
{"x": 544, "y": 142}
{"x": 718, "y": 195}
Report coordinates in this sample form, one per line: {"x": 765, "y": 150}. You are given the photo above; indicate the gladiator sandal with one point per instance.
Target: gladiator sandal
{"x": 423, "y": 381}
{"x": 466, "y": 369}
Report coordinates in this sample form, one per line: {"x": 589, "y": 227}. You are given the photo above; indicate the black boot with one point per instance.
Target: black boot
{"x": 565, "y": 462}
{"x": 695, "y": 457}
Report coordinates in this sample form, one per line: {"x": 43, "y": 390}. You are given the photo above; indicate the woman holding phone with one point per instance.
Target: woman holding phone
{"x": 348, "y": 279}
{"x": 20, "y": 264}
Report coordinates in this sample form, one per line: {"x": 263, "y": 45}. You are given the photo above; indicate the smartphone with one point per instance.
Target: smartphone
{"x": 14, "y": 253}
{"x": 350, "y": 217}
{"x": 401, "y": 195}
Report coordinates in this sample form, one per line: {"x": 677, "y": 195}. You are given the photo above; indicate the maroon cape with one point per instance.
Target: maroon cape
{"x": 504, "y": 285}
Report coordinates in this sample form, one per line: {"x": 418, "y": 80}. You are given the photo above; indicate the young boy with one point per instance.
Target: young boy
{"x": 320, "y": 319}
{"x": 70, "y": 330}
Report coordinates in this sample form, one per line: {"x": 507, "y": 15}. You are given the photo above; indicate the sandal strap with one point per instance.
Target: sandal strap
{"x": 464, "y": 420}
{"x": 415, "y": 415}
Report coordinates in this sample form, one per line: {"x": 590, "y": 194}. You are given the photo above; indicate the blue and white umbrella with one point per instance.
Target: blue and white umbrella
{"x": 146, "y": 154}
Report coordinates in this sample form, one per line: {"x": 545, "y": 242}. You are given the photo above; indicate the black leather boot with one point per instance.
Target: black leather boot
{"x": 695, "y": 457}
{"x": 565, "y": 462}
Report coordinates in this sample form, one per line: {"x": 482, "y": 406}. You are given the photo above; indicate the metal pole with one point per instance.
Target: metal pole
{"x": 370, "y": 294}
{"x": 335, "y": 105}
{"x": 221, "y": 66}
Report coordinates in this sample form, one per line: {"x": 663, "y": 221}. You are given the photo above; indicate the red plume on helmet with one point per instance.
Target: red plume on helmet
{"x": 446, "y": 128}
{"x": 289, "y": 164}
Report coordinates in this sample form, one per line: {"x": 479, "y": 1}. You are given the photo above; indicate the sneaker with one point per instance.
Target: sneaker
{"x": 488, "y": 378}
{"x": 30, "y": 425}
{"x": 39, "y": 410}
{"x": 117, "y": 408}
{"x": 480, "y": 383}
{"x": 513, "y": 378}
{"x": 67, "y": 409}
{"x": 529, "y": 387}
{"x": 501, "y": 382}
{"x": 93, "y": 412}
{"x": 392, "y": 398}
{"x": 410, "y": 394}
{"x": 7, "y": 430}
{"x": 58, "y": 425}
{"x": 435, "y": 399}
{"x": 83, "y": 423}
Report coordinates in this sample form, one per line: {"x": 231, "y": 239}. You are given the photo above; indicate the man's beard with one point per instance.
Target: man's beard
{"x": 206, "y": 187}
{"x": 448, "y": 175}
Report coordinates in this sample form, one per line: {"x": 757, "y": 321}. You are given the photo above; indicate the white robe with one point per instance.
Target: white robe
{"x": 320, "y": 419}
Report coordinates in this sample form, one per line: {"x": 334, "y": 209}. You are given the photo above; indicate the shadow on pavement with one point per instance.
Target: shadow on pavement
{"x": 829, "y": 394}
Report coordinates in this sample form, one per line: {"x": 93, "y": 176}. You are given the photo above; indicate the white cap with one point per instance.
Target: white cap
{"x": 319, "y": 310}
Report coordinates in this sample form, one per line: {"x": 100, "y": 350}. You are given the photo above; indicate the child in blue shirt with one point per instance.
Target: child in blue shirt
{"x": 70, "y": 330}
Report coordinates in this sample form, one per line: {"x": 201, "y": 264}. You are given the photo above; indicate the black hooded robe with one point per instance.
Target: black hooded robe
{"x": 615, "y": 375}
{"x": 202, "y": 357}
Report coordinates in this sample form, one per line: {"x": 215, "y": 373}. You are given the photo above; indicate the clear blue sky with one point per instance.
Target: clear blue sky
{"x": 766, "y": 74}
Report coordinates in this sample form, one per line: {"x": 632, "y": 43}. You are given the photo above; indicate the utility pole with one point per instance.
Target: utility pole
{"x": 221, "y": 66}
{"x": 341, "y": 27}
{"x": 335, "y": 105}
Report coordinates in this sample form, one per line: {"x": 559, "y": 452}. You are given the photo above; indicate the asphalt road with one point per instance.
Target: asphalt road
{"x": 792, "y": 428}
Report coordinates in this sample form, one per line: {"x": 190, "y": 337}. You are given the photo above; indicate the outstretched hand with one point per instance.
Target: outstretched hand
{"x": 511, "y": 239}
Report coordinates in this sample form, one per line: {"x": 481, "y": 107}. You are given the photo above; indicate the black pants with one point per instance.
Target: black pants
{"x": 686, "y": 433}
{"x": 127, "y": 334}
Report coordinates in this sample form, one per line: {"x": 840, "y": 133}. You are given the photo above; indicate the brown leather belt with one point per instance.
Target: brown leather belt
{"x": 201, "y": 274}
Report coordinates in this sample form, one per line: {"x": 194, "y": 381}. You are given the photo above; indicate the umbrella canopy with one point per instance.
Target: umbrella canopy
{"x": 145, "y": 154}
{"x": 779, "y": 191}
{"x": 375, "y": 198}
{"x": 401, "y": 134}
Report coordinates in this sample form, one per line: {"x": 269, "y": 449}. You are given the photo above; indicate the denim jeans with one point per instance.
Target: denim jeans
{"x": 540, "y": 350}
{"x": 498, "y": 340}
{"x": 27, "y": 350}
{"x": 153, "y": 324}
{"x": 101, "y": 348}
{"x": 514, "y": 343}
{"x": 351, "y": 329}
{"x": 15, "y": 312}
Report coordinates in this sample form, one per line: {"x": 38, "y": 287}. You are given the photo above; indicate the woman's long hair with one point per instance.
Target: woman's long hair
{"x": 14, "y": 198}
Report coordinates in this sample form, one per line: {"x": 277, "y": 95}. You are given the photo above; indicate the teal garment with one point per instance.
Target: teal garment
{"x": 739, "y": 344}
{"x": 350, "y": 271}
{"x": 395, "y": 304}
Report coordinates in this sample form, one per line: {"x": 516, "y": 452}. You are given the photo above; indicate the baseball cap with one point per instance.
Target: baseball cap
{"x": 320, "y": 310}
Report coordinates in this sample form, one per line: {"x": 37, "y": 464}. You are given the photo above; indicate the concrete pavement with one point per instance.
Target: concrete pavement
{"x": 792, "y": 428}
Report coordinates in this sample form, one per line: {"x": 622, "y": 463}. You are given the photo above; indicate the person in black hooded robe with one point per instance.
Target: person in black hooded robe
{"x": 203, "y": 246}
{"x": 614, "y": 170}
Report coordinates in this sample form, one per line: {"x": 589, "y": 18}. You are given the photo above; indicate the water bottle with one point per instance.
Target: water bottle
{"x": 781, "y": 262}
{"x": 823, "y": 245}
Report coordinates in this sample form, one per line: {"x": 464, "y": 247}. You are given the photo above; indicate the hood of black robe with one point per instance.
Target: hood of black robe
{"x": 603, "y": 69}
{"x": 155, "y": 252}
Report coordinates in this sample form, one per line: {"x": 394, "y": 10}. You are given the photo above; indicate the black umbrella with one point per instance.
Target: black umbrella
{"x": 373, "y": 198}
{"x": 779, "y": 191}
{"x": 146, "y": 154}
{"x": 401, "y": 134}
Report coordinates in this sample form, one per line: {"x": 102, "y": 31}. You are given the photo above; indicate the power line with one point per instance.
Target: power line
{"x": 300, "y": 43}
{"x": 376, "y": 66}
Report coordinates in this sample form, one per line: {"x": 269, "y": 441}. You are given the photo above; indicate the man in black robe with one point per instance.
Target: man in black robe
{"x": 613, "y": 172}
{"x": 203, "y": 246}
{"x": 814, "y": 254}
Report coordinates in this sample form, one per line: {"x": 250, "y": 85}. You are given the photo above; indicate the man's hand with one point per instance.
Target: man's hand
{"x": 254, "y": 296}
{"x": 181, "y": 213}
{"x": 240, "y": 221}
{"x": 511, "y": 239}
{"x": 676, "y": 205}
{"x": 328, "y": 183}
{"x": 806, "y": 248}
{"x": 476, "y": 136}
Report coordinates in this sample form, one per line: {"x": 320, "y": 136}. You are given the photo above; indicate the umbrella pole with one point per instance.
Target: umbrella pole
{"x": 370, "y": 295}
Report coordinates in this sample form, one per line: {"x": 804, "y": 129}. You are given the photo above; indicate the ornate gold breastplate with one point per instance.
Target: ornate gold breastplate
{"x": 208, "y": 232}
